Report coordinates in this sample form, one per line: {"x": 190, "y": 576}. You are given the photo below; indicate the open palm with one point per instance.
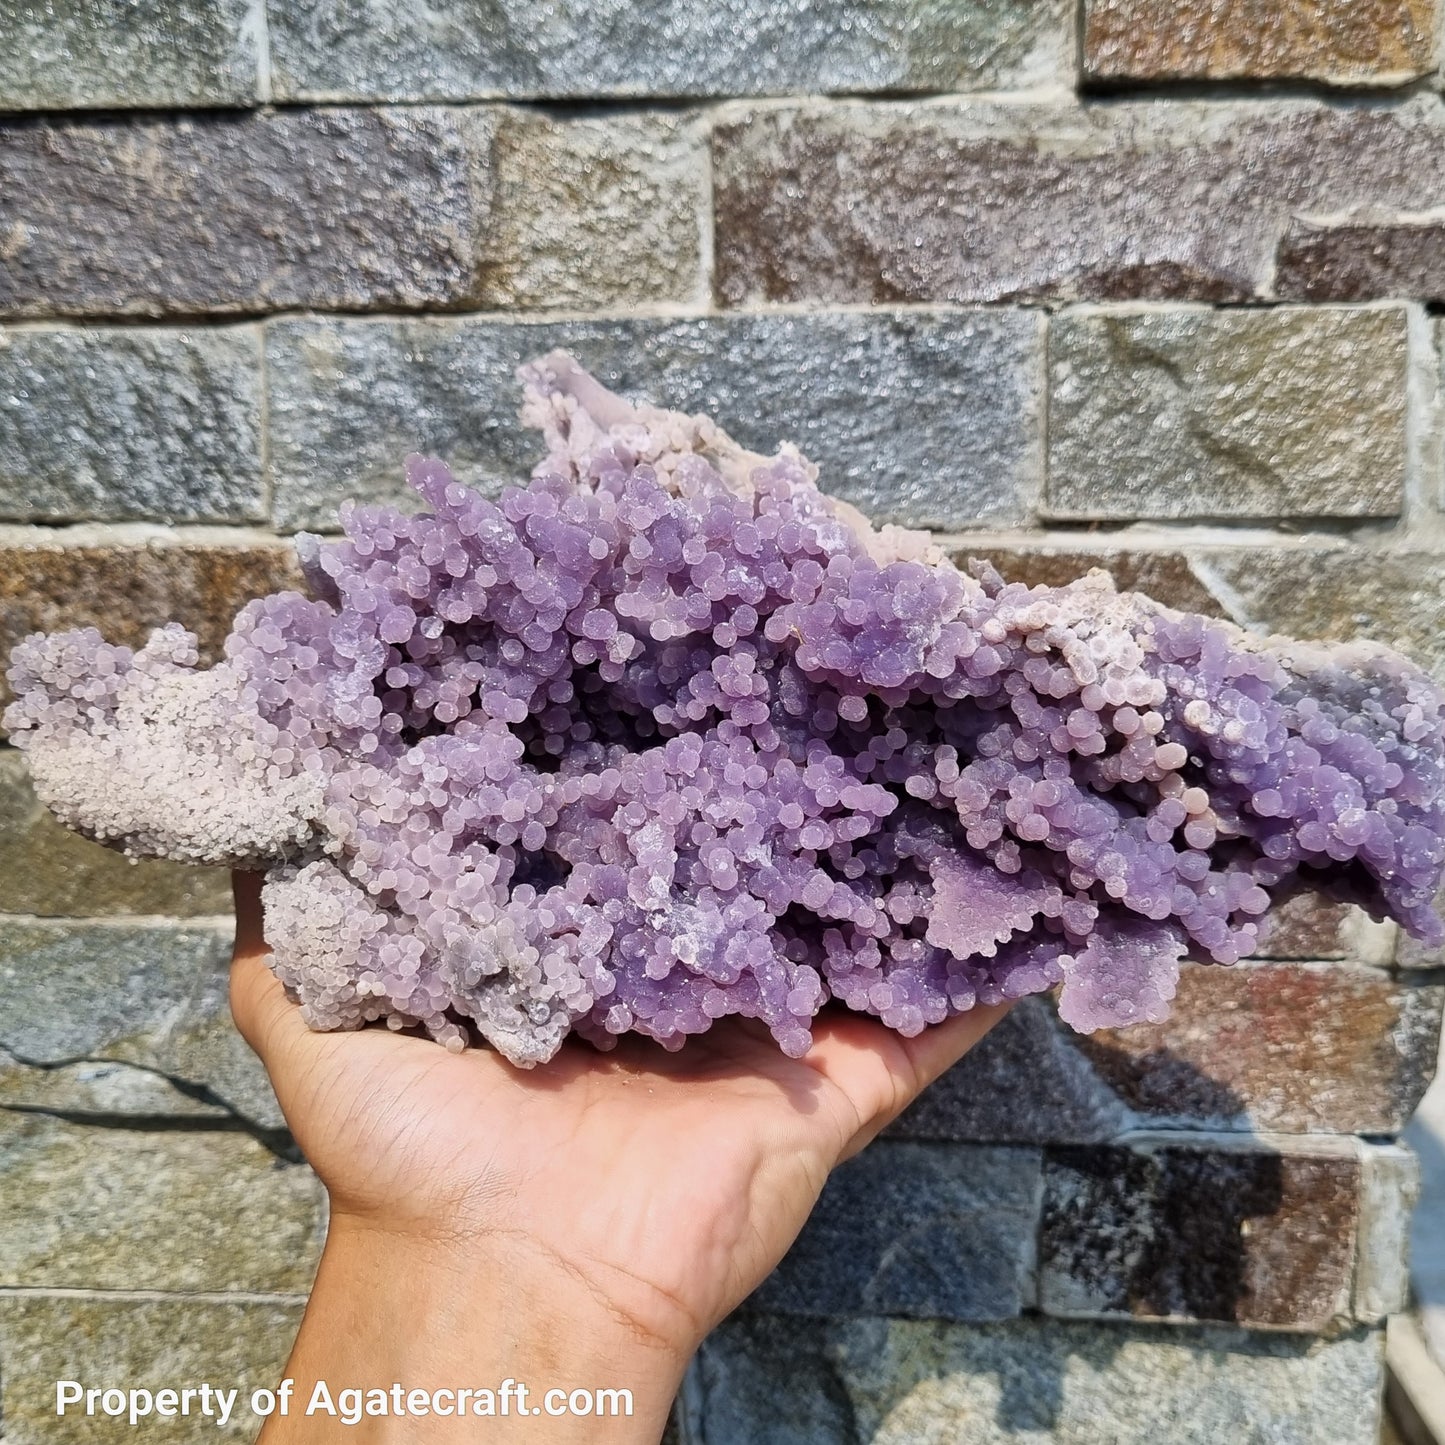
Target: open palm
{"x": 666, "y": 1186}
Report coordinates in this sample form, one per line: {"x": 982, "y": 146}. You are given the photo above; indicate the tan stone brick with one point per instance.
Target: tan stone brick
{"x": 150, "y": 1344}
{"x": 92, "y": 1207}
{"x": 595, "y": 212}
{"x": 1205, "y": 414}
{"x": 1395, "y": 596}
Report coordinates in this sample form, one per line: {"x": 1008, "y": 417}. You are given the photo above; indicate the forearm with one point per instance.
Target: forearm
{"x": 387, "y": 1311}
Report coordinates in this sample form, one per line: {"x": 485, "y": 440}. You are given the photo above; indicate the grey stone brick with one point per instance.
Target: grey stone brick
{"x": 922, "y": 419}
{"x": 143, "y": 994}
{"x": 335, "y": 208}
{"x": 1027, "y": 1082}
{"x": 596, "y": 212}
{"x": 1232, "y": 1231}
{"x": 90, "y": 54}
{"x": 100, "y": 1090}
{"x": 151, "y": 1344}
{"x": 1389, "y": 1190}
{"x": 917, "y": 1231}
{"x": 122, "y": 424}
{"x": 49, "y": 871}
{"x": 761, "y": 1381}
{"x": 464, "y": 49}
{"x": 990, "y": 201}
{"x": 1179, "y": 414}
{"x": 188, "y": 1210}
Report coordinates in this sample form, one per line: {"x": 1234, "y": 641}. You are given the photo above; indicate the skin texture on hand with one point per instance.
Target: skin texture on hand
{"x": 585, "y": 1223}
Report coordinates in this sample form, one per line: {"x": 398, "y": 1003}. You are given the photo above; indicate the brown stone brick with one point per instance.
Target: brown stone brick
{"x": 1291, "y": 1047}
{"x": 1344, "y": 42}
{"x": 128, "y": 580}
{"x": 990, "y": 201}
{"x": 1239, "y": 1234}
{"x": 1165, "y": 575}
{"x": 1308, "y": 927}
{"x": 1361, "y": 261}
{"x": 333, "y": 208}
{"x": 1283, "y": 1046}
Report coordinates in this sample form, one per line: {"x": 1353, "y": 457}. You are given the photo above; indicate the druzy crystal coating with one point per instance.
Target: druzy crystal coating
{"x": 668, "y": 735}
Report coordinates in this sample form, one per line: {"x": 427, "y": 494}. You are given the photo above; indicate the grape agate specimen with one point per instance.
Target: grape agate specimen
{"x": 668, "y": 735}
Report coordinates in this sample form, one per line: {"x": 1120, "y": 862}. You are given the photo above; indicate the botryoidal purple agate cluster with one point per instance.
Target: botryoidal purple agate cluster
{"x": 669, "y": 735}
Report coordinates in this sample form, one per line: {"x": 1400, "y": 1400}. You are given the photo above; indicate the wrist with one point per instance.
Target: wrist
{"x": 495, "y": 1314}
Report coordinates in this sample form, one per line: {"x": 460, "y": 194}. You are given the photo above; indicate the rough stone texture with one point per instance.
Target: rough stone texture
{"x": 49, "y": 871}
{"x": 599, "y": 212}
{"x": 1201, "y": 1231}
{"x": 341, "y": 209}
{"x": 1361, "y": 261}
{"x": 1395, "y": 596}
{"x": 1310, "y": 927}
{"x": 463, "y": 49}
{"x": 132, "y": 1209}
{"x": 88, "y": 54}
{"x": 1026, "y": 1083}
{"x": 1343, "y": 42}
{"x": 122, "y": 424}
{"x": 924, "y": 419}
{"x": 131, "y": 993}
{"x": 127, "y": 580}
{"x": 100, "y": 1091}
{"x": 1309, "y": 588}
{"x": 1165, "y": 574}
{"x": 1410, "y": 954}
{"x": 1288, "y": 1047}
{"x": 1389, "y": 1190}
{"x": 763, "y": 1381}
{"x": 149, "y": 1344}
{"x": 990, "y": 201}
{"x": 1196, "y": 414}
{"x": 916, "y": 1231}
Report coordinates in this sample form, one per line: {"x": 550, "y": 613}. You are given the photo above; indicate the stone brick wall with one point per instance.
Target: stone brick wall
{"x": 1147, "y": 284}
